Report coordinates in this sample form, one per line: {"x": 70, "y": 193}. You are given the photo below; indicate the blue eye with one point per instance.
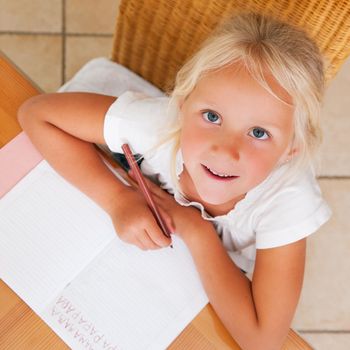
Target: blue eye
{"x": 211, "y": 117}
{"x": 259, "y": 134}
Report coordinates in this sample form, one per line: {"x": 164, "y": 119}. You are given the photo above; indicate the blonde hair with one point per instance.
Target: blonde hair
{"x": 261, "y": 44}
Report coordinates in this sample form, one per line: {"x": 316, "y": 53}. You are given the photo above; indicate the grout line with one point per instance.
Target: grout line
{"x": 63, "y": 62}
{"x": 102, "y": 35}
{"x": 28, "y": 33}
{"x": 317, "y": 331}
{"x": 333, "y": 177}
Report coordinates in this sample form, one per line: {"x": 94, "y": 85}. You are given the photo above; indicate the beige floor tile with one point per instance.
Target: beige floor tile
{"x": 328, "y": 341}
{"x": 31, "y": 15}
{"x": 325, "y": 301}
{"x": 80, "y": 50}
{"x": 39, "y": 56}
{"x": 90, "y": 16}
{"x": 336, "y": 125}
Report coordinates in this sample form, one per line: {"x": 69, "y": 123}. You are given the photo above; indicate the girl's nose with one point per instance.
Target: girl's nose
{"x": 230, "y": 147}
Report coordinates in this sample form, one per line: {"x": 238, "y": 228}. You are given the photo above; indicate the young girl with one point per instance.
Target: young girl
{"x": 231, "y": 150}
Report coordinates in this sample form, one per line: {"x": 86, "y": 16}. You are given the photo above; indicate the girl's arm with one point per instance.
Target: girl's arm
{"x": 257, "y": 314}
{"x": 63, "y": 127}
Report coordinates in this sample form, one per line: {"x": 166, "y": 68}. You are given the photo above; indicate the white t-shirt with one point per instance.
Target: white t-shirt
{"x": 277, "y": 212}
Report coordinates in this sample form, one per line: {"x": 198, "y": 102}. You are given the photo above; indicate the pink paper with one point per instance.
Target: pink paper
{"x": 17, "y": 159}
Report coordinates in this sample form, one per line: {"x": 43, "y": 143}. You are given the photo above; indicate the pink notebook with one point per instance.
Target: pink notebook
{"x": 17, "y": 159}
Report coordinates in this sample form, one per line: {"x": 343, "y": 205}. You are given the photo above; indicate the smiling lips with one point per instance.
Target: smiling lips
{"x": 217, "y": 176}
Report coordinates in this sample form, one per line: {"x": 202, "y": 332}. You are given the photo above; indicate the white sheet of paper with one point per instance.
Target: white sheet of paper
{"x": 60, "y": 254}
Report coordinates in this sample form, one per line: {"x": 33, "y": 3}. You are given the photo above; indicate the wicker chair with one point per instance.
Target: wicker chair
{"x": 153, "y": 38}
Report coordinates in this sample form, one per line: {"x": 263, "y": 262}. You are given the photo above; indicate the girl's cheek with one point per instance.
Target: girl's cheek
{"x": 192, "y": 137}
{"x": 263, "y": 157}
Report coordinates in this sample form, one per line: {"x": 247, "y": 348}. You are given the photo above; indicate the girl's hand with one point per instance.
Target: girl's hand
{"x": 135, "y": 223}
{"x": 186, "y": 220}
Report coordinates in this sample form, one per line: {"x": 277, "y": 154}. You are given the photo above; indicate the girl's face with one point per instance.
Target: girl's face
{"x": 234, "y": 132}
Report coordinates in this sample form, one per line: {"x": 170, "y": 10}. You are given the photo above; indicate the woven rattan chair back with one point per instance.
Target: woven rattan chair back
{"x": 154, "y": 38}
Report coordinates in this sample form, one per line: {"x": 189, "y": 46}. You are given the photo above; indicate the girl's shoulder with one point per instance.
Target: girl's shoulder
{"x": 288, "y": 208}
{"x": 280, "y": 187}
{"x": 137, "y": 119}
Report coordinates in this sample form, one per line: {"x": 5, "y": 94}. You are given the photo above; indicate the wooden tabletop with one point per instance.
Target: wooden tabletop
{"x": 20, "y": 327}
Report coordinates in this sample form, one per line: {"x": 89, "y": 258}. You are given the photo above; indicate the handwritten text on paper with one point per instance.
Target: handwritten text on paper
{"x": 81, "y": 329}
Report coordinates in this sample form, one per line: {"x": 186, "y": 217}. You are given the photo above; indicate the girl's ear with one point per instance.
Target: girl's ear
{"x": 181, "y": 102}
{"x": 293, "y": 152}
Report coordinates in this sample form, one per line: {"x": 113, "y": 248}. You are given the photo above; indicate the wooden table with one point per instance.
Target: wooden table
{"x": 20, "y": 327}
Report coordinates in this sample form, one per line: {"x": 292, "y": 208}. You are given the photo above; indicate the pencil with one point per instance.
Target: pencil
{"x": 145, "y": 190}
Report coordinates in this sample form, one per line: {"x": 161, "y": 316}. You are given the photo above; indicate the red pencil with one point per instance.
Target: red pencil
{"x": 145, "y": 190}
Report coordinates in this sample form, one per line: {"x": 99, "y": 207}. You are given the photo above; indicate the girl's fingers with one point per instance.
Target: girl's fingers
{"x": 150, "y": 240}
{"x": 153, "y": 236}
{"x": 157, "y": 236}
{"x": 138, "y": 243}
{"x": 146, "y": 241}
{"x": 168, "y": 220}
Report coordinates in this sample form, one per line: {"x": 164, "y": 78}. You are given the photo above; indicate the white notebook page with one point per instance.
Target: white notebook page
{"x": 59, "y": 252}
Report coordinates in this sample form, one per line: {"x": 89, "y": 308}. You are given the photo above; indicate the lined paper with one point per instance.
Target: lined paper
{"x": 49, "y": 231}
{"x": 141, "y": 300}
{"x": 59, "y": 252}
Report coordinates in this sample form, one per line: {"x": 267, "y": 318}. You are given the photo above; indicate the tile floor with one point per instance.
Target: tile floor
{"x": 51, "y": 40}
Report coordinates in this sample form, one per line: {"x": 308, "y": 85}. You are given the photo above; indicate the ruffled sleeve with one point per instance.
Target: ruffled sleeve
{"x": 293, "y": 213}
{"x": 137, "y": 119}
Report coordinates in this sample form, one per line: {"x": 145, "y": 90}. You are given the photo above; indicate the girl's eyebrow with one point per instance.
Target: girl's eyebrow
{"x": 267, "y": 124}
{"x": 207, "y": 102}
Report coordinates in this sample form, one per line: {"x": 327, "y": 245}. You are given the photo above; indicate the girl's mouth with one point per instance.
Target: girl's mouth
{"x": 217, "y": 176}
